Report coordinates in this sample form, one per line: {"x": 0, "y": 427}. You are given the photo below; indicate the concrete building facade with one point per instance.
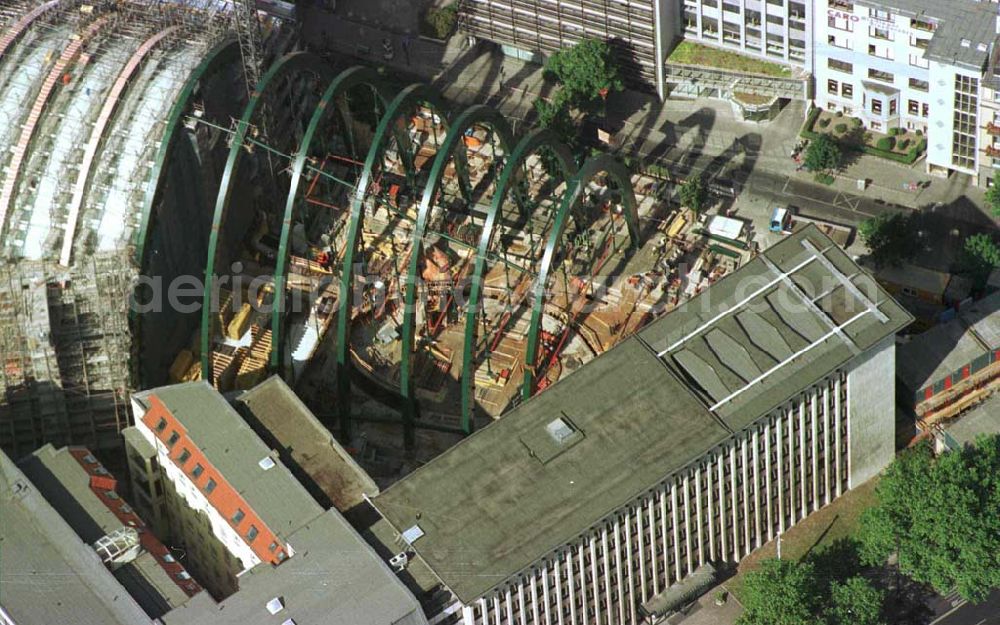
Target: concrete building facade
{"x": 911, "y": 64}
{"x": 726, "y": 443}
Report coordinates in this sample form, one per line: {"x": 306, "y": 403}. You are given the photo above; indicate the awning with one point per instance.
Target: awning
{"x": 683, "y": 592}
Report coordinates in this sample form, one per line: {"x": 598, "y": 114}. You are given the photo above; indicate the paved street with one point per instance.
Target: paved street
{"x": 962, "y": 613}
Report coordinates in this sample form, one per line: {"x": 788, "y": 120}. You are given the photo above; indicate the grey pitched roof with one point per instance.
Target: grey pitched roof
{"x": 47, "y": 573}
{"x": 235, "y": 451}
{"x": 66, "y": 486}
{"x": 305, "y": 445}
{"x": 333, "y": 577}
{"x": 511, "y": 493}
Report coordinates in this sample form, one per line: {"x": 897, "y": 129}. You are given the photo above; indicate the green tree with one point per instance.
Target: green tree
{"x": 993, "y": 200}
{"x": 891, "y": 239}
{"x": 980, "y": 256}
{"x": 440, "y": 23}
{"x": 780, "y": 592}
{"x": 855, "y": 602}
{"x": 586, "y": 71}
{"x": 941, "y": 516}
{"x": 694, "y": 193}
{"x": 823, "y": 154}
{"x": 556, "y": 117}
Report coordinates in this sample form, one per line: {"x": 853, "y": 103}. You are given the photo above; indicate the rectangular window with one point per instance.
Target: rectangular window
{"x": 913, "y": 107}
{"x": 892, "y": 107}
{"x": 238, "y": 516}
{"x": 252, "y": 533}
{"x": 880, "y": 33}
{"x": 174, "y": 437}
{"x": 184, "y": 457}
{"x": 161, "y": 424}
{"x": 847, "y": 90}
{"x": 876, "y": 106}
{"x": 840, "y": 66}
{"x": 875, "y": 74}
{"x": 924, "y": 110}
{"x": 831, "y": 86}
{"x": 919, "y": 85}
{"x": 198, "y": 470}
{"x": 210, "y": 486}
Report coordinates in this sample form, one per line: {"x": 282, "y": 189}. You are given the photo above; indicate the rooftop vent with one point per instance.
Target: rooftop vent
{"x": 275, "y": 605}
{"x": 266, "y": 463}
{"x": 90, "y": 459}
{"x": 411, "y": 535}
{"x": 982, "y": 47}
{"x": 966, "y": 43}
{"x": 168, "y": 558}
{"x": 288, "y": 621}
{"x": 399, "y": 561}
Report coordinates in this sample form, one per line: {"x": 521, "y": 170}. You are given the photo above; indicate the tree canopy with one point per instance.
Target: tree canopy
{"x": 586, "y": 71}
{"x": 993, "y": 200}
{"x": 980, "y": 256}
{"x": 780, "y": 592}
{"x": 822, "y": 589}
{"x": 694, "y": 193}
{"x": 823, "y": 154}
{"x": 891, "y": 239}
{"x": 855, "y": 602}
{"x": 941, "y": 516}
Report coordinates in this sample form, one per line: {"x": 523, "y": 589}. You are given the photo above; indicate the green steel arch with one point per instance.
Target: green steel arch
{"x": 223, "y": 53}
{"x": 475, "y": 115}
{"x": 341, "y": 85}
{"x": 529, "y": 145}
{"x": 605, "y": 164}
{"x": 294, "y": 63}
{"x": 412, "y": 95}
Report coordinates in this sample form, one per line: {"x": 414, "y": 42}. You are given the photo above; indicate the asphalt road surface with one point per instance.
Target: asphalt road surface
{"x": 985, "y": 613}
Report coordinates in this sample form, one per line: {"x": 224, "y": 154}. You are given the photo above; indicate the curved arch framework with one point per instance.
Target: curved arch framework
{"x": 333, "y": 100}
{"x": 453, "y": 149}
{"x": 171, "y": 237}
{"x": 281, "y": 85}
{"x": 571, "y": 204}
{"x": 97, "y": 134}
{"x": 20, "y": 150}
{"x": 511, "y": 181}
{"x": 411, "y": 98}
{"x": 220, "y": 56}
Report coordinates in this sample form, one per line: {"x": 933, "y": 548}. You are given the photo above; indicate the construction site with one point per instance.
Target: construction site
{"x": 412, "y": 269}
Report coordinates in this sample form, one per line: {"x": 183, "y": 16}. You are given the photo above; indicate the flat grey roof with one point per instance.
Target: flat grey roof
{"x": 47, "y": 573}
{"x": 957, "y": 20}
{"x": 947, "y": 347}
{"x": 334, "y": 578}
{"x": 235, "y": 451}
{"x": 305, "y": 444}
{"x": 512, "y": 493}
{"x": 66, "y": 486}
{"x": 982, "y": 420}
